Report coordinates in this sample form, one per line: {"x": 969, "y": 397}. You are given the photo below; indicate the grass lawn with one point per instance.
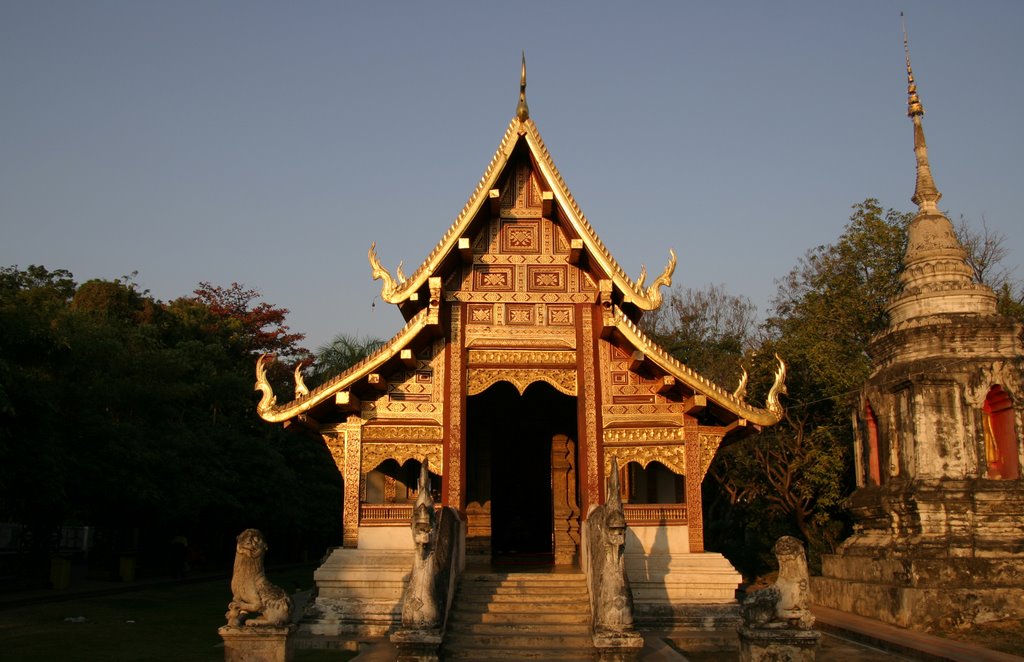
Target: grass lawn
{"x": 171, "y": 623}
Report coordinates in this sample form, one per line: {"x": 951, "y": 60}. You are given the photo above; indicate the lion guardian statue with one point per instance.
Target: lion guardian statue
{"x": 254, "y": 600}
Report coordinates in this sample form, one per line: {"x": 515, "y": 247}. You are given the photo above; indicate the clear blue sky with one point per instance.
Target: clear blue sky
{"x": 270, "y": 143}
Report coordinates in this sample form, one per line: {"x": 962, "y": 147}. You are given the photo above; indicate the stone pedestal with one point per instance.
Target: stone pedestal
{"x": 417, "y": 645}
{"x": 780, "y": 644}
{"x": 256, "y": 644}
{"x": 930, "y": 554}
{"x": 618, "y": 646}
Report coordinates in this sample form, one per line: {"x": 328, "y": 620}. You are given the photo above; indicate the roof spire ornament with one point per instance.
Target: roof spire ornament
{"x": 523, "y": 110}
{"x": 926, "y": 195}
{"x": 936, "y": 277}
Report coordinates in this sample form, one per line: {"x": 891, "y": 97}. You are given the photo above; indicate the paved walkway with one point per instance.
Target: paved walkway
{"x": 913, "y": 644}
{"x": 848, "y": 637}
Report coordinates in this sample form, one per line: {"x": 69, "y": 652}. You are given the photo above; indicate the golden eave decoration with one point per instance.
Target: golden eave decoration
{"x": 270, "y": 411}
{"x": 398, "y": 290}
{"x": 770, "y": 414}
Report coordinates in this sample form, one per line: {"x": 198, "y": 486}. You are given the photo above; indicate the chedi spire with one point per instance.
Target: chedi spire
{"x": 926, "y": 195}
{"x": 936, "y": 277}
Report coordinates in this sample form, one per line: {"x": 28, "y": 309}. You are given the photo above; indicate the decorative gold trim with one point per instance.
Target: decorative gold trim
{"x": 672, "y": 456}
{"x": 402, "y": 433}
{"x": 709, "y": 444}
{"x": 453, "y": 454}
{"x": 521, "y": 357}
{"x": 352, "y": 478}
{"x": 274, "y": 413}
{"x": 643, "y": 435}
{"x": 480, "y": 379}
{"x": 335, "y": 442}
{"x": 375, "y": 453}
{"x": 590, "y": 439}
{"x": 398, "y": 291}
{"x": 770, "y": 415}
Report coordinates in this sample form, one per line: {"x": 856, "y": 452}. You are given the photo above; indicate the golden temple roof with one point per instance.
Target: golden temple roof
{"x": 525, "y": 131}
{"x": 770, "y": 415}
{"x": 422, "y": 312}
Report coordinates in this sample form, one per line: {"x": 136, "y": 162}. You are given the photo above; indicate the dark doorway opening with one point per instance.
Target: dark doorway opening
{"x": 509, "y": 462}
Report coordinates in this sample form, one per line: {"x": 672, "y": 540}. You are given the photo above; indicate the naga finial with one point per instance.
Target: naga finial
{"x": 741, "y": 389}
{"x": 523, "y": 110}
{"x": 652, "y": 293}
{"x": 390, "y": 287}
{"x": 641, "y": 278}
{"x": 778, "y": 388}
{"x": 269, "y": 399}
{"x": 664, "y": 280}
{"x": 300, "y": 384}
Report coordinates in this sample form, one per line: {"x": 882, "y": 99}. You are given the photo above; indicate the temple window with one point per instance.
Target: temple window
{"x": 654, "y": 483}
{"x": 1001, "y": 443}
{"x": 874, "y": 460}
{"x": 652, "y": 495}
{"x": 390, "y": 482}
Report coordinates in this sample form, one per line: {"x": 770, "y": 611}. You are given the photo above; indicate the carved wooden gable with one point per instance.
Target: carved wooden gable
{"x": 520, "y": 280}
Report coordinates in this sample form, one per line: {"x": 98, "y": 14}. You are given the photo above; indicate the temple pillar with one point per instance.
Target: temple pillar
{"x": 565, "y": 507}
{"x": 589, "y": 405}
{"x": 452, "y": 491}
{"x": 694, "y": 502}
{"x": 352, "y": 475}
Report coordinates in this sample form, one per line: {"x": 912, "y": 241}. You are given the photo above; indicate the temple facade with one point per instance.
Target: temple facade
{"x": 939, "y": 509}
{"x": 521, "y": 372}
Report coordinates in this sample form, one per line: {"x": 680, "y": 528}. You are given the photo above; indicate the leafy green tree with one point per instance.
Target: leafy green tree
{"x": 792, "y": 478}
{"x": 337, "y": 356}
{"x": 120, "y": 411}
{"x": 258, "y": 325}
{"x": 708, "y": 329}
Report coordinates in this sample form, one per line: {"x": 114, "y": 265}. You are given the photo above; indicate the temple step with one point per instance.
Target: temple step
{"x": 540, "y": 616}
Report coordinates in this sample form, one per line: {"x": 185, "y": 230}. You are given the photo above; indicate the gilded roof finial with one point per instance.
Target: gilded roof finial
{"x": 914, "y": 106}
{"x": 926, "y": 195}
{"x": 522, "y": 110}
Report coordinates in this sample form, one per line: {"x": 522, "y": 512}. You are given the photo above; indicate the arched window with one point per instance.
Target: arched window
{"x": 390, "y": 482}
{"x": 874, "y": 456}
{"x": 1001, "y": 445}
{"x": 654, "y": 483}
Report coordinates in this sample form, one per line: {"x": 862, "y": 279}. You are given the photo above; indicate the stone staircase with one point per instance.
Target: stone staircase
{"x": 520, "y": 615}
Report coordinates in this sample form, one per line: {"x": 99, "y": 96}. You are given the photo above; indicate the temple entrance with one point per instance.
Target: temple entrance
{"x": 509, "y": 468}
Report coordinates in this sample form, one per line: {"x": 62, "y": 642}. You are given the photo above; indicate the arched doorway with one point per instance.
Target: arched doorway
{"x": 508, "y": 467}
{"x": 1001, "y": 445}
{"x": 874, "y": 454}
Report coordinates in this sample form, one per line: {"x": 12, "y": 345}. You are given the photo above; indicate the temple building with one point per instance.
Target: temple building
{"x": 521, "y": 372}
{"x": 939, "y": 510}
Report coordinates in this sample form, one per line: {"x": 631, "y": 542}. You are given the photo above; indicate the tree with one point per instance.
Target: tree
{"x": 792, "y": 478}
{"x": 708, "y": 329}
{"x": 986, "y": 254}
{"x": 122, "y": 412}
{"x": 258, "y": 327}
{"x": 337, "y": 356}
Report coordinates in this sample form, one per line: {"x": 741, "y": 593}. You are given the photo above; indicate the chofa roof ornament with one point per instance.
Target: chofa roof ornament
{"x": 522, "y": 110}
